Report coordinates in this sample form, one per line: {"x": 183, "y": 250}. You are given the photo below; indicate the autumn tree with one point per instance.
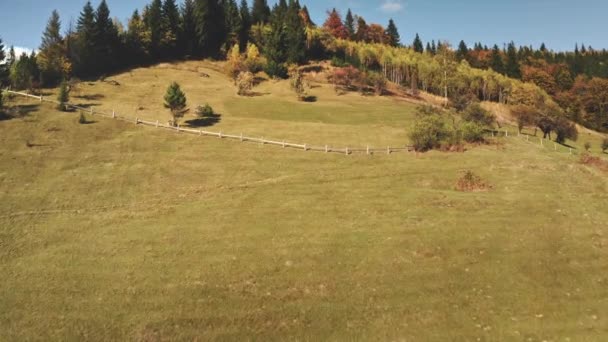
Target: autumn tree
{"x": 334, "y": 25}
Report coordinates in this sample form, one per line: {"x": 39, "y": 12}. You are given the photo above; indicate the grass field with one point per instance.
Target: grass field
{"x": 111, "y": 231}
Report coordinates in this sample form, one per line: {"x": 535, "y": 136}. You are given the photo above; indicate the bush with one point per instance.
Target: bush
{"x": 298, "y": 83}
{"x": 244, "y": 83}
{"x": 82, "y": 119}
{"x": 475, "y": 113}
{"x": 345, "y": 77}
{"x": 175, "y": 101}
{"x": 605, "y": 145}
{"x": 587, "y": 146}
{"x": 525, "y": 116}
{"x": 428, "y": 132}
{"x": 204, "y": 111}
{"x": 564, "y": 129}
{"x": 253, "y": 61}
{"x": 338, "y": 62}
{"x": 376, "y": 81}
{"x": 64, "y": 96}
{"x": 472, "y": 132}
{"x": 461, "y": 100}
{"x": 471, "y": 182}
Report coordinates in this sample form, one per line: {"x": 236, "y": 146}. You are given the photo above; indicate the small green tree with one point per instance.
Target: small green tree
{"x": 605, "y": 145}
{"x": 472, "y": 132}
{"x": 204, "y": 111}
{"x": 429, "y": 132}
{"x": 587, "y": 146}
{"x": 64, "y": 96}
{"x": 175, "y": 101}
{"x": 298, "y": 84}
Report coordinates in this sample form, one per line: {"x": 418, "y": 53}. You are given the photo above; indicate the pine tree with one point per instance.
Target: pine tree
{"x": 392, "y": 33}
{"x": 54, "y": 65}
{"x": 3, "y": 69}
{"x": 428, "y": 48}
{"x": 361, "y": 33}
{"x": 496, "y": 62}
{"x": 175, "y": 101}
{"x": 295, "y": 34}
{"x": 85, "y": 45}
{"x": 417, "y": 44}
{"x": 260, "y": 13}
{"x": 306, "y": 17}
{"x": 63, "y": 97}
{"x": 210, "y": 27}
{"x": 137, "y": 41}
{"x": 463, "y": 51}
{"x": 245, "y": 25}
{"x": 276, "y": 46}
{"x": 512, "y": 67}
{"x": 233, "y": 22}
{"x": 106, "y": 39}
{"x": 187, "y": 37}
{"x": 433, "y": 47}
{"x": 349, "y": 23}
{"x": 169, "y": 28}
{"x": 153, "y": 17}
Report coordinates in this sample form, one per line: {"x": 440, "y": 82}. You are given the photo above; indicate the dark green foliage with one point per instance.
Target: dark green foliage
{"x": 393, "y": 34}
{"x": 361, "y": 34}
{"x": 564, "y": 129}
{"x": 153, "y": 17}
{"x": 3, "y": 67}
{"x": 170, "y": 28}
{"x": 475, "y": 113}
{"x": 349, "y": 23}
{"x": 233, "y": 22}
{"x": 260, "y": 12}
{"x": 496, "y": 62}
{"x": 24, "y": 72}
{"x": 175, "y": 101}
{"x": 64, "y": 96}
{"x": 276, "y": 46}
{"x": 106, "y": 40}
{"x": 512, "y": 67}
{"x": 210, "y": 27}
{"x": 463, "y": 51}
{"x": 52, "y": 52}
{"x": 245, "y": 25}
{"x": 84, "y": 61}
{"x": 136, "y": 46}
{"x": 295, "y": 34}
{"x": 417, "y": 44}
{"x": 187, "y": 36}
{"x": 205, "y": 111}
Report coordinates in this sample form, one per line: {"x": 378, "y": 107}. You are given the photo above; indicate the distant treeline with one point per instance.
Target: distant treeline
{"x": 285, "y": 34}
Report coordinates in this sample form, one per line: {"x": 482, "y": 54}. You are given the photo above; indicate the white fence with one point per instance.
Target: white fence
{"x": 543, "y": 143}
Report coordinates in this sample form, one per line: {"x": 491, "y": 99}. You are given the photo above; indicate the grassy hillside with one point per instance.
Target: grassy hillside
{"x": 110, "y": 231}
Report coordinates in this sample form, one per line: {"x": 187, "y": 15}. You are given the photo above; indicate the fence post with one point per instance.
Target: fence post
{"x": 555, "y": 145}
{"x": 492, "y": 133}
{"x": 156, "y": 123}
{"x": 220, "y": 135}
{"x": 92, "y": 111}
{"x": 506, "y": 133}
{"x": 305, "y": 148}
{"x": 177, "y": 128}
{"x": 200, "y": 132}
{"x": 326, "y": 149}
{"x": 283, "y": 143}
{"x": 541, "y": 142}
{"x": 367, "y": 150}
{"x": 40, "y": 98}
{"x": 346, "y": 150}
{"x": 241, "y": 136}
{"x": 136, "y": 120}
{"x": 113, "y": 114}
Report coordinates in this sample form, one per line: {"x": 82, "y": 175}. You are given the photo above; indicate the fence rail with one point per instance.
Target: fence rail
{"x": 284, "y": 144}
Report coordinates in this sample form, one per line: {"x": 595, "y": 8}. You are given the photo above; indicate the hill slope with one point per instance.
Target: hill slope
{"x": 114, "y": 231}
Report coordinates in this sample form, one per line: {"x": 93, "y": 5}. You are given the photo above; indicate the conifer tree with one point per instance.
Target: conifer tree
{"x": 512, "y": 67}
{"x": 306, "y": 17}
{"x": 187, "y": 37}
{"x": 361, "y": 33}
{"x": 210, "y": 27}
{"x": 106, "y": 39}
{"x": 54, "y": 65}
{"x": 175, "y": 101}
{"x": 496, "y": 62}
{"x": 392, "y": 33}
{"x": 85, "y": 45}
{"x": 137, "y": 40}
{"x": 276, "y": 47}
{"x": 233, "y": 22}
{"x": 417, "y": 44}
{"x": 260, "y": 12}
{"x": 295, "y": 34}
{"x": 349, "y": 23}
{"x": 433, "y": 48}
{"x": 64, "y": 96}
{"x": 463, "y": 51}
{"x": 245, "y": 25}
{"x": 153, "y": 17}
{"x": 3, "y": 69}
{"x": 170, "y": 28}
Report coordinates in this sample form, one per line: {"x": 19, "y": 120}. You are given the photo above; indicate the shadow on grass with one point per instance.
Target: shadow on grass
{"x": 85, "y": 105}
{"x": 310, "y": 98}
{"x": 256, "y": 94}
{"x": 205, "y": 122}
{"x": 91, "y": 97}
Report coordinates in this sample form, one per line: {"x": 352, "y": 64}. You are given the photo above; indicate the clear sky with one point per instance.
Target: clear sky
{"x": 558, "y": 23}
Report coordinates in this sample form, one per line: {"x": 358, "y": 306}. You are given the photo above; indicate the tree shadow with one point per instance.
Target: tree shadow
{"x": 91, "y": 97}
{"x": 257, "y": 80}
{"x": 309, "y": 98}
{"x": 85, "y": 105}
{"x": 206, "y": 121}
{"x": 20, "y": 111}
{"x": 256, "y": 94}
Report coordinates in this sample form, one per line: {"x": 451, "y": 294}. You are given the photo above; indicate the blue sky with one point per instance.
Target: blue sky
{"x": 558, "y": 23}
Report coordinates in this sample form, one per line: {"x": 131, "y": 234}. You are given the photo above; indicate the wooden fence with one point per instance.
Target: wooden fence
{"x": 543, "y": 143}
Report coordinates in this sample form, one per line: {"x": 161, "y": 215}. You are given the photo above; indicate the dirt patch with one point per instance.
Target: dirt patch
{"x": 596, "y": 162}
{"x": 470, "y": 182}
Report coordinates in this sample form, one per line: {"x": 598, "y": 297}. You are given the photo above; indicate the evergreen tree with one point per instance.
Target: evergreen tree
{"x": 279, "y": 11}
{"x": 3, "y": 69}
{"x": 276, "y": 46}
{"x": 463, "y": 51}
{"x": 512, "y": 67}
{"x": 245, "y": 25}
{"x": 187, "y": 37}
{"x": 170, "y": 28}
{"x": 361, "y": 34}
{"x": 54, "y": 65}
{"x": 63, "y": 97}
{"x": 260, "y": 13}
{"x": 175, "y": 101}
{"x": 106, "y": 39}
{"x": 137, "y": 40}
{"x": 393, "y": 34}
{"x": 306, "y": 17}
{"x": 24, "y": 72}
{"x": 496, "y": 62}
{"x": 349, "y": 23}
{"x": 210, "y": 27}
{"x": 295, "y": 33}
{"x": 153, "y": 17}
{"x": 233, "y": 22}
{"x": 428, "y": 48}
{"x": 417, "y": 44}
{"x": 85, "y": 45}
{"x": 433, "y": 47}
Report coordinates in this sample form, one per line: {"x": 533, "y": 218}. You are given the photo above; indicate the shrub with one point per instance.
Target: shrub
{"x": 461, "y": 100}
{"x": 253, "y": 61}
{"x": 471, "y": 182}
{"x": 276, "y": 70}
{"x": 244, "y": 83}
{"x": 344, "y": 77}
{"x": 82, "y": 119}
{"x": 235, "y": 64}
{"x": 428, "y": 132}
{"x": 64, "y": 96}
{"x": 376, "y": 81}
{"x": 605, "y": 145}
{"x": 204, "y": 111}
{"x": 475, "y": 113}
{"x": 564, "y": 129}
{"x": 175, "y": 101}
{"x": 472, "y": 132}
{"x": 525, "y": 116}
{"x": 587, "y": 146}
{"x": 338, "y": 62}
{"x": 298, "y": 84}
